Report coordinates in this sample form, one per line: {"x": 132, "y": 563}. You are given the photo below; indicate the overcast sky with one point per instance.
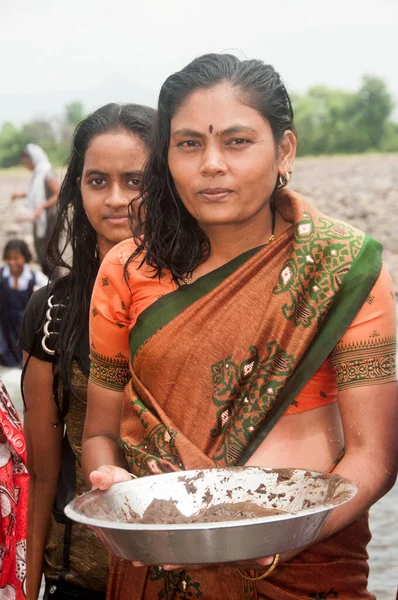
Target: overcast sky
{"x": 55, "y": 51}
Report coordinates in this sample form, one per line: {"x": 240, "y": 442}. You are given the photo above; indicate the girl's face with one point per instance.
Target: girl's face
{"x": 111, "y": 178}
{"x": 224, "y": 159}
{"x": 15, "y": 261}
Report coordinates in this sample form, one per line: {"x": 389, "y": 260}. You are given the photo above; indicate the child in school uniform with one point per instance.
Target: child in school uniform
{"x": 17, "y": 283}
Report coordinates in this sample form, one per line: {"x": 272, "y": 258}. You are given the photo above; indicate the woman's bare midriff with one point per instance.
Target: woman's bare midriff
{"x": 309, "y": 440}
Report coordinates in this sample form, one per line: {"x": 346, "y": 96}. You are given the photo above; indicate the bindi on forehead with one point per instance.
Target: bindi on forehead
{"x": 211, "y": 129}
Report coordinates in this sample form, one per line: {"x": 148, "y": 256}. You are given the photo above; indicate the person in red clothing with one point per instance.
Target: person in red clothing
{"x": 14, "y": 480}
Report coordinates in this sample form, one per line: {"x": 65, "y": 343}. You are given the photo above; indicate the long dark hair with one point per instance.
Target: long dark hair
{"x": 73, "y": 228}
{"x": 172, "y": 238}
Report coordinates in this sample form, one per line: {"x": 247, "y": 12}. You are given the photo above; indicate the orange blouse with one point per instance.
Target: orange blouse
{"x": 365, "y": 355}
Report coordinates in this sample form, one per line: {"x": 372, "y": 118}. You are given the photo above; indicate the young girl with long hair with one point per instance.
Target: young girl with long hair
{"x": 104, "y": 174}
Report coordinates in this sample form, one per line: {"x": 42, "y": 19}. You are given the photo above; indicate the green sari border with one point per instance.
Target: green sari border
{"x": 348, "y": 301}
{"x": 169, "y": 306}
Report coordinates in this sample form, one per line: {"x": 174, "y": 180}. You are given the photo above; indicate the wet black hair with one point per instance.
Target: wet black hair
{"x": 172, "y": 238}
{"x": 18, "y": 246}
{"x": 73, "y": 228}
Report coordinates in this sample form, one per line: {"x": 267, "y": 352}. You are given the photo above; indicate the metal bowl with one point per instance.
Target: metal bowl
{"x": 307, "y": 496}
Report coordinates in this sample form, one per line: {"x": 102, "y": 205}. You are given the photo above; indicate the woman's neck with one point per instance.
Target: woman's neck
{"x": 228, "y": 242}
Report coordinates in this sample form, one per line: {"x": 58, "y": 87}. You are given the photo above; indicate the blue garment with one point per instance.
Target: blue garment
{"x": 12, "y": 308}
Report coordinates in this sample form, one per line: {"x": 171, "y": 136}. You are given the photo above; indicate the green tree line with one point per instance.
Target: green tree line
{"x": 54, "y": 136}
{"x": 328, "y": 121}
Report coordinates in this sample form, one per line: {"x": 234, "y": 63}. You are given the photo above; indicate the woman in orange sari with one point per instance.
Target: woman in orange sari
{"x": 249, "y": 329}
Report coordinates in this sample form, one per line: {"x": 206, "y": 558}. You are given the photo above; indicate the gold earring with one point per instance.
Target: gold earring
{"x": 283, "y": 180}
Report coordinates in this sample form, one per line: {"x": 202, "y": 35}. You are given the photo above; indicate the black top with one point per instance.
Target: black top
{"x": 72, "y": 552}
{"x": 32, "y": 333}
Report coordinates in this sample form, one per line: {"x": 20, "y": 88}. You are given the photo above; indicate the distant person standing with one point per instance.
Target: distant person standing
{"x": 17, "y": 284}
{"x": 42, "y": 196}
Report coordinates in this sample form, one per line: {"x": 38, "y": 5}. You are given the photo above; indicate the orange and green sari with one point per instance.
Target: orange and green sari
{"x": 215, "y": 364}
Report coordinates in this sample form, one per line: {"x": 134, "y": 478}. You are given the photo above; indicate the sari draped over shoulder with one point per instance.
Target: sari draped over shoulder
{"x": 215, "y": 363}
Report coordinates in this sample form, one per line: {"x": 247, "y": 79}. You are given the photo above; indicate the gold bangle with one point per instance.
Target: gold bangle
{"x": 264, "y": 575}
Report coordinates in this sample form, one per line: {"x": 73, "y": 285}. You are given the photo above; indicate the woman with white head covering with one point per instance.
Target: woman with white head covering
{"x": 42, "y": 196}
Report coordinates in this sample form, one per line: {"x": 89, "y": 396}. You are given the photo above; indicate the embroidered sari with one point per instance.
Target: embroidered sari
{"x": 215, "y": 364}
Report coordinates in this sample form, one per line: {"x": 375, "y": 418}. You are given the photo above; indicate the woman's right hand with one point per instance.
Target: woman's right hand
{"x": 106, "y": 475}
